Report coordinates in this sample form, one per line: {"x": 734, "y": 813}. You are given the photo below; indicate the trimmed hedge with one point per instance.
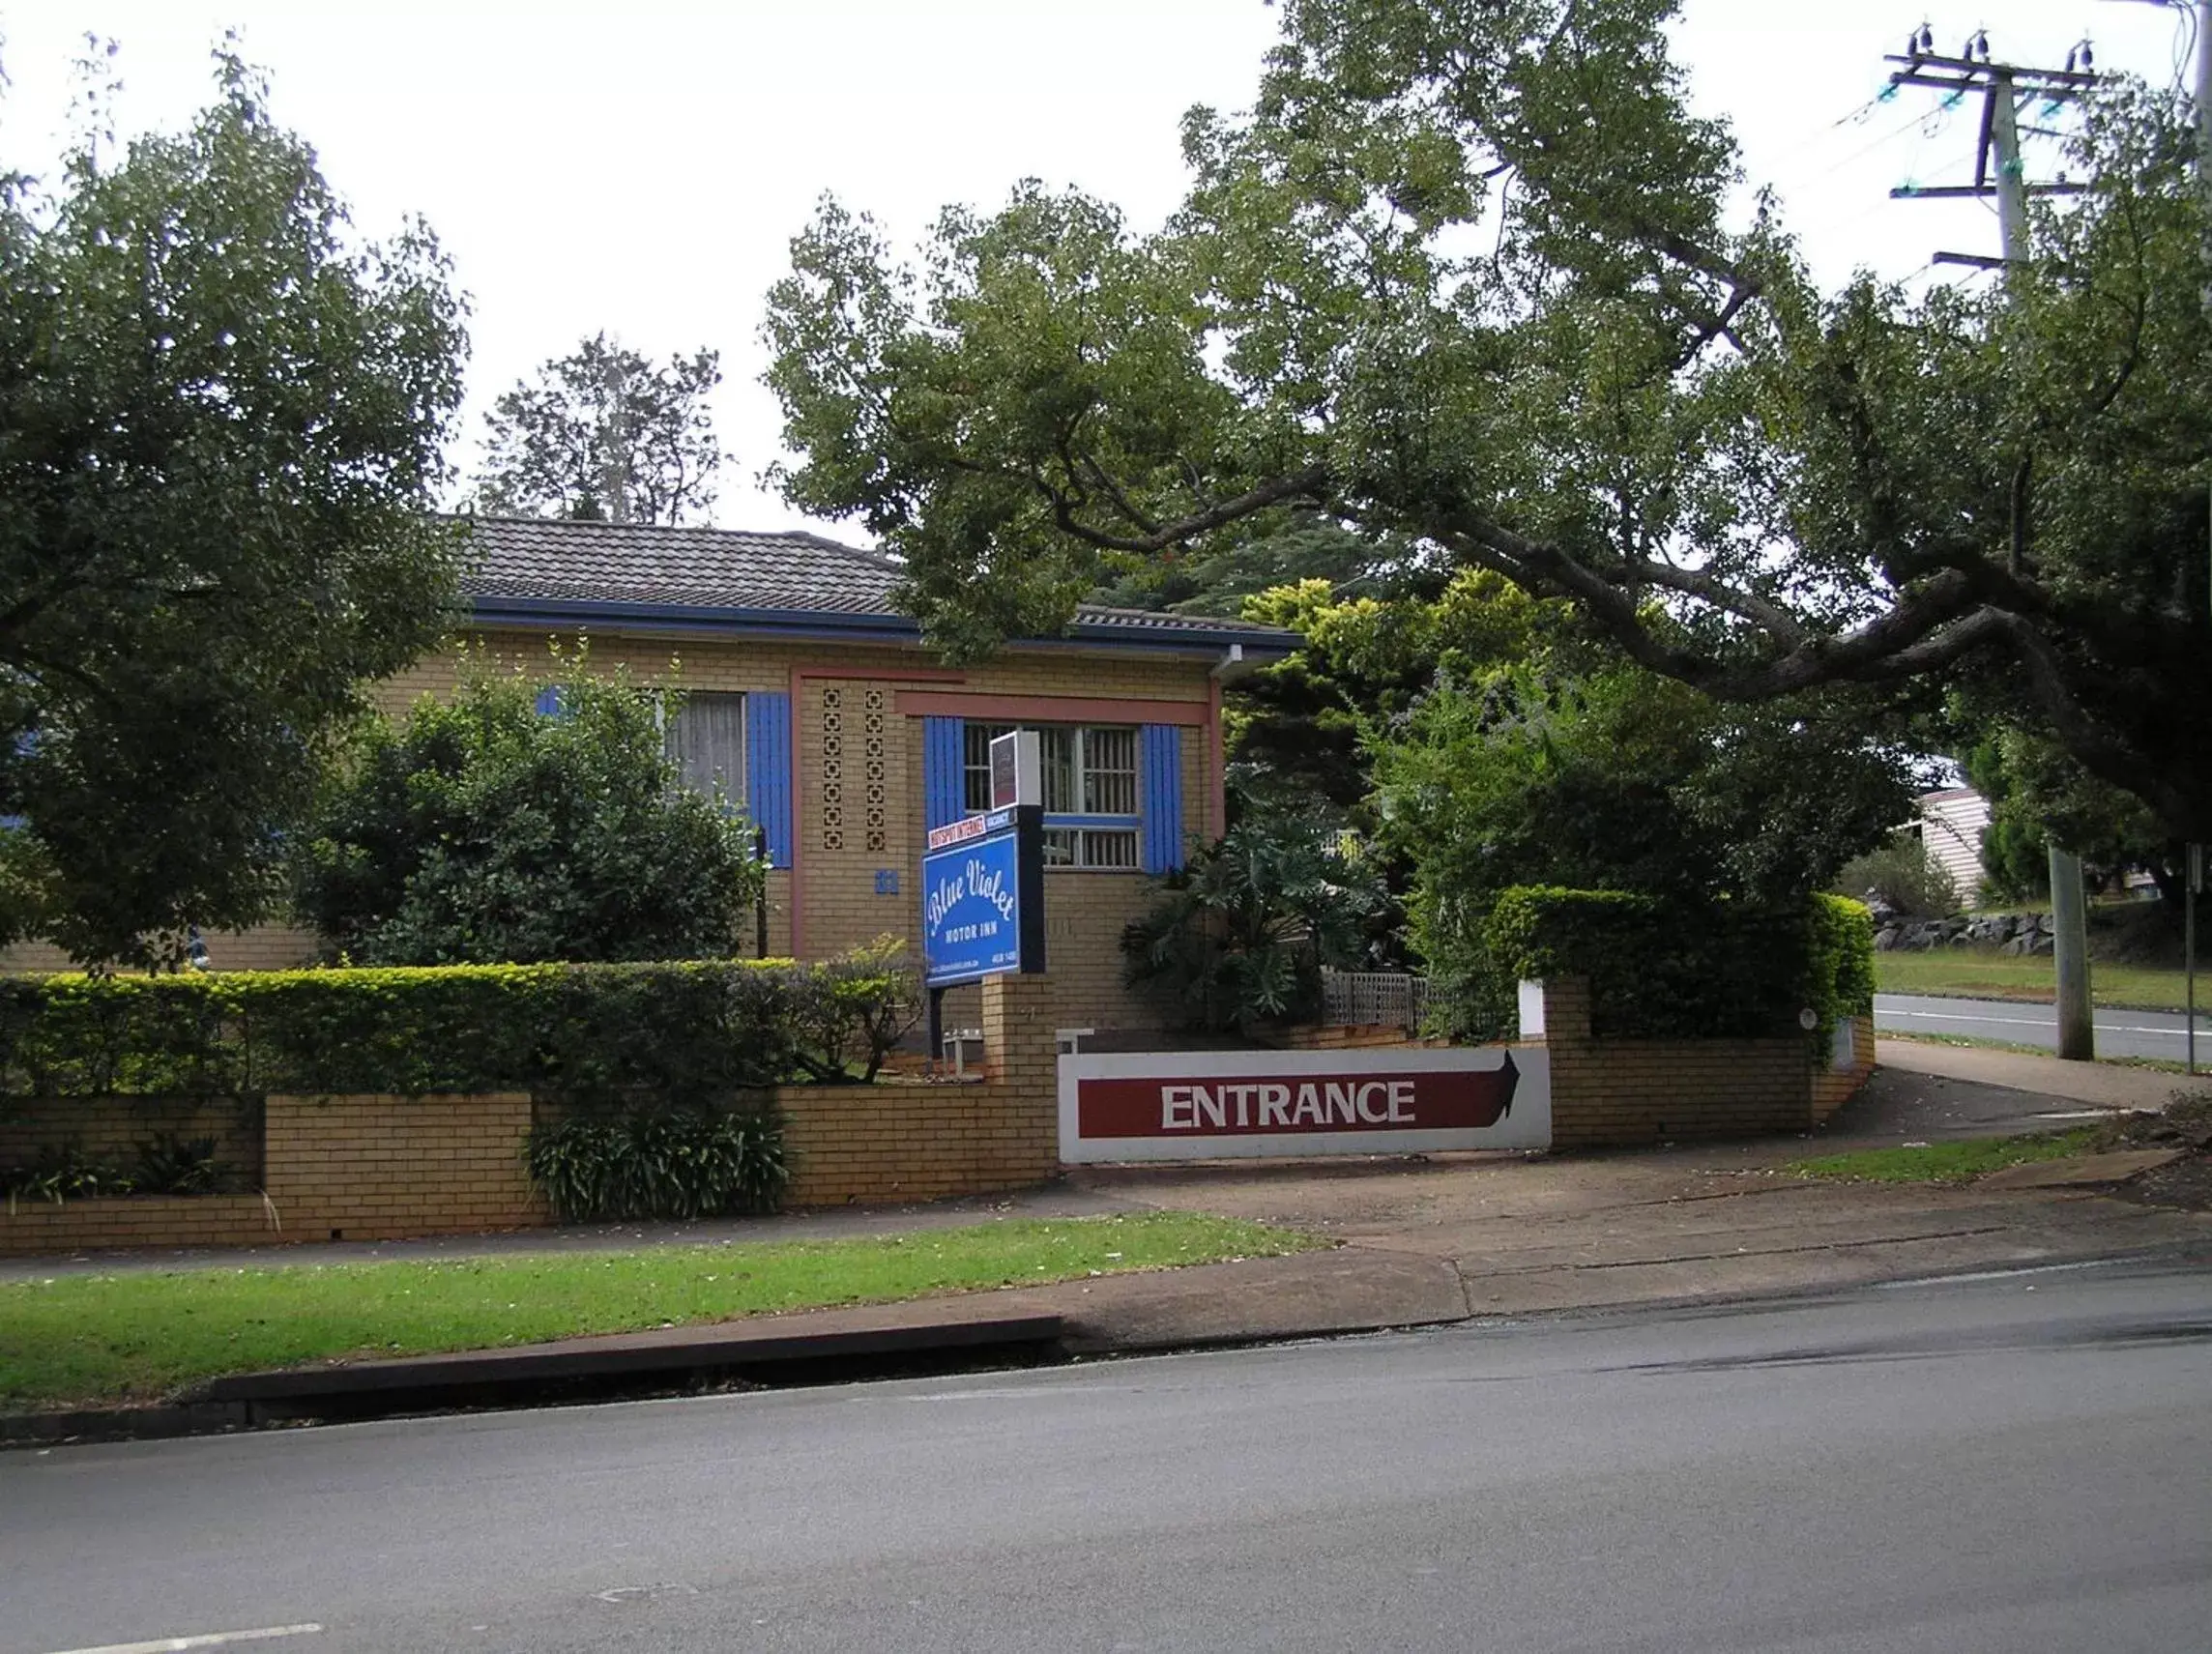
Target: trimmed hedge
{"x": 1661, "y": 969}
{"x": 676, "y": 1035}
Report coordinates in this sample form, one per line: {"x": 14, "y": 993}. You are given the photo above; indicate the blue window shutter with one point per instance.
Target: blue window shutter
{"x": 1160, "y": 808}
{"x": 550, "y": 702}
{"x": 944, "y": 778}
{"x": 768, "y": 771}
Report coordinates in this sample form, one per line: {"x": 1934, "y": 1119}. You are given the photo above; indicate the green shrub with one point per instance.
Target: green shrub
{"x": 483, "y": 831}
{"x": 679, "y": 1165}
{"x": 170, "y": 1164}
{"x": 1244, "y": 932}
{"x": 684, "y": 1034}
{"x": 63, "y": 1173}
{"x": 1905, "y": 875}
{"x": 1660, "y": 968}
{"x": 165, "y": 1164}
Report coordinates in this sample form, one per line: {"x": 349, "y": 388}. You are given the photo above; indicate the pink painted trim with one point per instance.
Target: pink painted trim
{"x": 1216, "y": 759}
{"x": 1050, "y": 709}
{"x": 800, "y": 677}
{"x": 798, "y": 822}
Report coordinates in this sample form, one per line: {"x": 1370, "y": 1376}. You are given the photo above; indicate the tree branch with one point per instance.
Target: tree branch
{"x": 1304, "y": 484}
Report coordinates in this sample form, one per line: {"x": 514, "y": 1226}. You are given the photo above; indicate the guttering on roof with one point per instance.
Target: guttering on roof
{"x": 564, "y": 612}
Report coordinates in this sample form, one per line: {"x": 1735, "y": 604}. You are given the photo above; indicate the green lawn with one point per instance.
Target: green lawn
{"x": 1954, "y": 1162}
{"x": 1981, "y": 974}
{"x": 82, "y": 1339}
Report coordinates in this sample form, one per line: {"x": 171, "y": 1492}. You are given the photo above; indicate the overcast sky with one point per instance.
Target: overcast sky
{"x": 639, "y": 167}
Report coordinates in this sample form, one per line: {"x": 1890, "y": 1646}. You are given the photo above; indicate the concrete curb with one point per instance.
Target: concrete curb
{"x": 535, "y": 1372}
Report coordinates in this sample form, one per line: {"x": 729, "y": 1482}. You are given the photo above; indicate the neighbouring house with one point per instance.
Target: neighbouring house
{"x": 813, "y": 706}
{"x": 1950, "y": 823}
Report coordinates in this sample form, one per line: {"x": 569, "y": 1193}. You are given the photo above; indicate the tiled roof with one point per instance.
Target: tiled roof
{"x": 524, "y": 559}
{"x": 643, "y": 563}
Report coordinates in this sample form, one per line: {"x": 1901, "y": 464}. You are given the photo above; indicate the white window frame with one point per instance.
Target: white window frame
{"x": 1075, "y": 840}
{"x": 732, "y": 792}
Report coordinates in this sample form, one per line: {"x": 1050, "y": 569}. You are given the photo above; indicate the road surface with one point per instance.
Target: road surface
{"x": 2023, "y": 1022}
{"x": 2012, "y": 1464}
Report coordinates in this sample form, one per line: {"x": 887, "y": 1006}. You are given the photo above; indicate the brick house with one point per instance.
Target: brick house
{"x": 812, "y": 704}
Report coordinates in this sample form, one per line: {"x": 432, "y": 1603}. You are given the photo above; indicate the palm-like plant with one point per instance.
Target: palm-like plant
{"x": 1242, "y": 933}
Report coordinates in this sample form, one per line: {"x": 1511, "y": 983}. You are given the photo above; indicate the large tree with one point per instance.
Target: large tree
{"x": 603, "y": 434}
{"x": 1468, "y": 273}
{"x": 222, "y": 415}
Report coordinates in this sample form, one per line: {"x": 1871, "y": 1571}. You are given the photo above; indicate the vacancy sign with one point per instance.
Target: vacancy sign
{"x": 1209, "y": 1105}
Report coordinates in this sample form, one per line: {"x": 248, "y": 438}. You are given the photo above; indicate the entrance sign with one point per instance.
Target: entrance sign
{"x": 1205, "y": 1105}
{"x": 982, "y": 898}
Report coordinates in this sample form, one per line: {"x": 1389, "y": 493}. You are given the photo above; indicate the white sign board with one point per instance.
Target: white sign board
{"x": 1211, "y": 1105}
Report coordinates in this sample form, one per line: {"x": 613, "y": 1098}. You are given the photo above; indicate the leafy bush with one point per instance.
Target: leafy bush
{"x": 482, "y": 830}
{"x": 165, "y": 1164}
{"x": 1244, "y": 932}
{"x": 65, "y": 1172}
{"x": 1659, "y": 968}
{"x": 1726, "y": 818}
{"x": 684, "y": 1034}
{"x": 1905, "y": 876}
{"x": 170, "y": 1164}
{"x": 677, "y": 1165}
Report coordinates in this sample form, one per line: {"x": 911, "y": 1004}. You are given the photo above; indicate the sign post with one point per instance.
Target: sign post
{"x": 2192, "y": 885}
{"x": 983, "y": 884}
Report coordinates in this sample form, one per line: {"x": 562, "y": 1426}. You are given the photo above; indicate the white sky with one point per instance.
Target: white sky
{"x": 640, "y": 167}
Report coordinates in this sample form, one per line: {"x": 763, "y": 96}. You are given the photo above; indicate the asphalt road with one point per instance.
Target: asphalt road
{"x": 2023, "y": 1022}
{"x": 2013, "y": 1463}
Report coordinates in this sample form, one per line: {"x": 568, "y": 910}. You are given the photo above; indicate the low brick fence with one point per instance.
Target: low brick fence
{"x": 372, "y": 1168}
{"x": 1611, "y": 1093}
{"x": 381, "y": 1168}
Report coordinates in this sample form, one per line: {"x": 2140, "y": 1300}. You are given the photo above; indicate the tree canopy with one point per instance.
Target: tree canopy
{"x": 603, "y": 434}
{"x": 1468, "y": 274}
{"x": 220, "y": 424}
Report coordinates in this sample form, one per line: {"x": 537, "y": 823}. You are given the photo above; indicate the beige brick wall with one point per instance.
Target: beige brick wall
{"x": 1833, "y": 1088}
{"x": 916, "y": 1141}
{"x": 264, "y": 948}
{"x": 165, "y": 1220}
{"x": 367, "y": 1167}
{"x": 1620, "y": 1092}
{"x": 110, "y": 1128}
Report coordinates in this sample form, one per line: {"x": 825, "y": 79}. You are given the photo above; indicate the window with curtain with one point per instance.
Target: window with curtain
{"x": 1089, "y": 772}
{"x": 706, "y": 742}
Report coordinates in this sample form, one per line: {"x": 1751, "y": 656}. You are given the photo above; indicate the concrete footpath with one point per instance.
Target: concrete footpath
{"x": 1422, "y": 1241}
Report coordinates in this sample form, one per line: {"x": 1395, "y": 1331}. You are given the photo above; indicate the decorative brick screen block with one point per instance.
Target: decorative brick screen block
{"x": 375, "y": 1167}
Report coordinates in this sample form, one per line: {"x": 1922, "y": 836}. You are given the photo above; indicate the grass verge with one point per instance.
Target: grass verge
{"x": 1976, "y": 974}
{"x": 1955, "y": 1162}
{"x": 89, "y": 1338}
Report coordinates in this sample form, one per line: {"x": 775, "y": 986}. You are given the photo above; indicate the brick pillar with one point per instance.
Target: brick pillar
{"x": 1021, "y": 1061}
{"x": 1020, "y": 1041}
{"x": 1566, "y": 1011}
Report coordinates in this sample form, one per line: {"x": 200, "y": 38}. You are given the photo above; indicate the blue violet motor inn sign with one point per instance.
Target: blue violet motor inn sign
{"x": 983, "y": 884}
{"x": 971, "y": 900}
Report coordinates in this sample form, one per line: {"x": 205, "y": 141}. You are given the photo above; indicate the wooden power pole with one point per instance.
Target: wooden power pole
{"x": 1998, "y": 171}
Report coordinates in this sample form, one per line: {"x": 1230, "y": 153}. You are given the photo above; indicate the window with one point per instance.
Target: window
{"x": 706, "y": 742}
{"x": 1090, "y": 771}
